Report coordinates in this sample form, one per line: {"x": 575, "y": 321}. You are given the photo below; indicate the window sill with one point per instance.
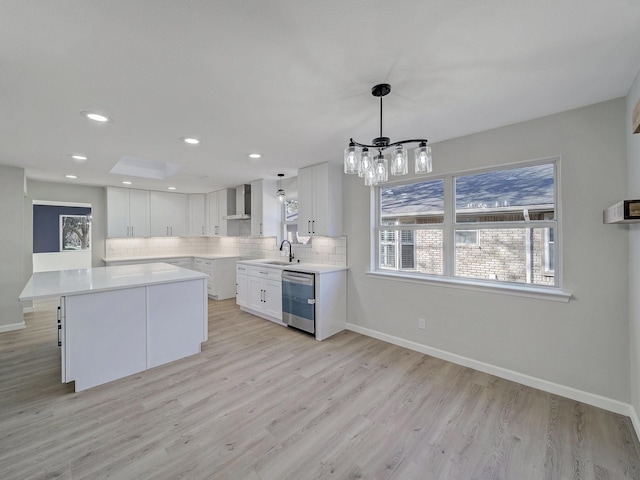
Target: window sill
{"x": 541, "y": 293}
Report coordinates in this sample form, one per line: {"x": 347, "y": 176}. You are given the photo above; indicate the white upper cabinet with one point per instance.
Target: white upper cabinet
{"x": 220, "y": 204}
{"x": 320, "y": 200}
{"x": 127, "y": 212}
{"x": 265, "y": 209}
{"x": 168, "y": 214}
{"x": 197, "y": 223}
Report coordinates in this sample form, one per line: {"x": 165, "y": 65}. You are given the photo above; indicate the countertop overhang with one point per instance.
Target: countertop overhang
{"x": 86, "y": 280}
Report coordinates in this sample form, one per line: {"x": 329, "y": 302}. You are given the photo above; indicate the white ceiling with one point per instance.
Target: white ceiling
{"x": 289, "y": 79}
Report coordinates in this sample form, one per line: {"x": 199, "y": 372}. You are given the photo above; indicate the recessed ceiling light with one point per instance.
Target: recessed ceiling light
{"x": 79, "y": 157}
{"x": 254, "y": 155}
{"x": 71, "y": 176}
{"x": 96, "y": 117}
{"x": 190, "y": 140}
{"x": 126, "y": 182}
{"x": 171, "y": 188}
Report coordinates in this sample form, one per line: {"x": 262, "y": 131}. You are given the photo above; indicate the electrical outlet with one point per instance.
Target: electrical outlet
{"x": 422, "y": 323}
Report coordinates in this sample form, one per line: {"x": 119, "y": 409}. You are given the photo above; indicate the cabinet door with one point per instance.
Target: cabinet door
{"x": 197, "y": 215}
{"x": 223, "y": 204}
{"x": 213, "y": 223}
{"x": 256, "y": 209}
{"x": 176, "y": 214}
{"x": 139, "y": 218}
{"x": 256, "y": 293}
{"x": 242, "y": 286}
{"x": 158, "y": 207}
{"x": 305, "y": 200}
{"x": 118, "y": 212}
{"x": 273, "y": 298}
{"x": 320, "y": 220}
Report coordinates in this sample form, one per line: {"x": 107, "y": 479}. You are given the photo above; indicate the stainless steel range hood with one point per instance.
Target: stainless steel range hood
{"x": 243, "y": 203}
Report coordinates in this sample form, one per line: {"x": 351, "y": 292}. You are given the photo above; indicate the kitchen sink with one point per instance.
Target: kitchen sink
{"x": 277, "y": 262}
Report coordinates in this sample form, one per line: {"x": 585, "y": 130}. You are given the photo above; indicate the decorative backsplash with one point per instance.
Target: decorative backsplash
{"x": 324, "y": 250}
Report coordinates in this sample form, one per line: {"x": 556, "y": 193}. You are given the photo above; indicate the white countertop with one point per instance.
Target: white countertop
{"x": 298, "y": 267}
{"x": 86, "y": 280}
{"x": 164, "y": 257}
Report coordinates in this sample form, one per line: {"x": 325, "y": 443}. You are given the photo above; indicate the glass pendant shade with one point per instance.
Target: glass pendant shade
{"x": 370, "y": 178}
{"x": 366, "y": 162}
{"x": 423, "y": 159}
{"x": 351, "y": 160}
{"x": 281, "y": 195}
{"x": 399, "y": 161}
{"x": 381, "y": 169}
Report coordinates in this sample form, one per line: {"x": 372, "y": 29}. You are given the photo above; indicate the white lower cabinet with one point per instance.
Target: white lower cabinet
{"x": 242, "y": 285}
{"x": 220, "y": 284}
{"x": 264, "y": 292}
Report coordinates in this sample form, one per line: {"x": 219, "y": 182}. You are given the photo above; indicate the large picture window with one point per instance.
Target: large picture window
{"x": 493, "y": 226}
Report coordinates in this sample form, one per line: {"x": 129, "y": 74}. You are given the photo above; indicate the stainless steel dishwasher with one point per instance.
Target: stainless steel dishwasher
{"x": 298, "y": 300}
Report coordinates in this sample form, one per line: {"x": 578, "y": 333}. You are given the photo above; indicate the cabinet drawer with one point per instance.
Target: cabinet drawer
{"x": 265, "y": 272}
{"x": 242, "y": 269}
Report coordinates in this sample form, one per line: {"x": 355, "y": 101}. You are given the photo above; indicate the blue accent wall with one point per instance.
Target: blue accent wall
{"x": 46, "y": 225}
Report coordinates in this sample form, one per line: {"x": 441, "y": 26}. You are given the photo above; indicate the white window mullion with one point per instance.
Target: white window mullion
{"x": 449, "y": 236}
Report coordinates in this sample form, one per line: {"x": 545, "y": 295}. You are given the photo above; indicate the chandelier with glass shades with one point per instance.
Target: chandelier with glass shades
{"x": 358, "y": 159}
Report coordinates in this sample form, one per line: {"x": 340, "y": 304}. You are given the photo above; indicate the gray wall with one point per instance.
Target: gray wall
{"x": 11, "y": 268}
{"x": 64, "y": 192}
{"x": 582, "y": 344}
{"x": 633, "y": 160}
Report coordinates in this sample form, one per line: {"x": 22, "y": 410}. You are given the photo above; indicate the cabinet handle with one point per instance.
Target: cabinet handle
{"x": 128, "y": 231}
{"x": 309, "y": 226}
{"x": 167, "y": 231}
{"x": 260, "y": 228}
{"x": 313, "y": 226}
{"x": 59, "y": 329}
{"x": 171, "y": 231}
{"x": 132, "y": 230}
{"x": 265, "y": 296}
{"x": 203, "y": 230}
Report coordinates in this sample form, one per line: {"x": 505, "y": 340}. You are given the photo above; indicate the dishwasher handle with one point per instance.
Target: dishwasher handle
{"x": 302, "y": 278}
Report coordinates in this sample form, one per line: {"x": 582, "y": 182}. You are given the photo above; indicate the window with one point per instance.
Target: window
{"x": 466, "y": 237}
{"x": 397, "y": 248}
{"x": 290, "y": 223}
{"x": 495, "y": 225}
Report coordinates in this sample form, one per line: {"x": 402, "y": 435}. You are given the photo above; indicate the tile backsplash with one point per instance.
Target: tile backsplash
{"x": 324, "y": 250}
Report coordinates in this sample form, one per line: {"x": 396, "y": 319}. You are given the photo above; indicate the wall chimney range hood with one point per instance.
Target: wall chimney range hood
{"x": 243, "y": 203}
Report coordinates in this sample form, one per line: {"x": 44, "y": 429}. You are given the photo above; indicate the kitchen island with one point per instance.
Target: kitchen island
{"x": 117, "y": 321}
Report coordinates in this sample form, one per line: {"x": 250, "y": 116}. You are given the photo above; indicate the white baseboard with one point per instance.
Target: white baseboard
{"x": 30, "y": 309}
{"x": 599, "y": 401}
{"x": 11, "y": 327}
{"x": 633, "y": 415}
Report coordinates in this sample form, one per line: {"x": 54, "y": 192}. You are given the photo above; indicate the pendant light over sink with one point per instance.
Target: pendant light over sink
{"x": 358, "y": 159}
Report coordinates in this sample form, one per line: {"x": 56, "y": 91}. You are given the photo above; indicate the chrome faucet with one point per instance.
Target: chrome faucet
{"x": 290, "y": 251}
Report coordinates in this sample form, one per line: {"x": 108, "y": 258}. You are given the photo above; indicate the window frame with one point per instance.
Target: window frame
{"x": 449, "y": 226}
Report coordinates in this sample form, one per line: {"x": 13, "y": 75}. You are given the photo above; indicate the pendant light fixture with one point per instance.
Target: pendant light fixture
{"x": 358, "y": 159}
{"x": 280, "y": 193}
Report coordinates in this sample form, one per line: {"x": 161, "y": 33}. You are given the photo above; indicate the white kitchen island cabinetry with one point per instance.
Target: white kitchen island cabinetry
{"x": 117, "y": 321}
{"x": 320, "y": 200}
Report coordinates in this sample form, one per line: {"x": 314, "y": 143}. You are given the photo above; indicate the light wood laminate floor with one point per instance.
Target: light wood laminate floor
{"x": 263, "y": 402}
